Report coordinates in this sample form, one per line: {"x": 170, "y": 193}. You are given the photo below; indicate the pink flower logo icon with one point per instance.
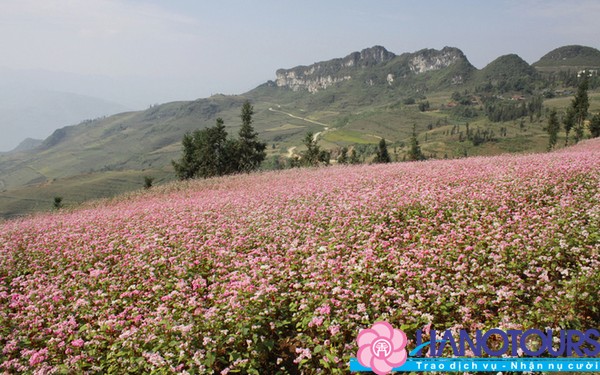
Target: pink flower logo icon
{"x": 381, "y": 347}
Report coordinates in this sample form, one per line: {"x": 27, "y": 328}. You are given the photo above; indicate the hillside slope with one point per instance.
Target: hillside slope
{"x": 574, "y": 57}
{"x": 37, "y": 113}
{"x": 260, "y": 272}
{"x": 352, "y": 101}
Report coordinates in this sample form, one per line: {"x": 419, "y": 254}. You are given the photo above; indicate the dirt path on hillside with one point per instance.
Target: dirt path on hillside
{"x": 299, "y": 118}
{"x": 315, "y": 136}
{"x": 290, "y": 152}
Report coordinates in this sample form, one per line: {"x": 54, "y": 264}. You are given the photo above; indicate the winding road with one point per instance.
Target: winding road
{"x": 315, "y": 136}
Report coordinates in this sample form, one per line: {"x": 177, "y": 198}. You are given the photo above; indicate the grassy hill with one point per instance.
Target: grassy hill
{"x": 352, "y": 101}
{"x": 569, "y": 57}
{"x": 278, "y": 272}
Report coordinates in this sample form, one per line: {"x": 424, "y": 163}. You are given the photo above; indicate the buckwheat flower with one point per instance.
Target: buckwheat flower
{"x": 334, "y": 329}
{"x": 38, "y": 357}
{"x": 95, "y": 273}
{"x": 77, "y": 343}
{"x": 316, "y": 321}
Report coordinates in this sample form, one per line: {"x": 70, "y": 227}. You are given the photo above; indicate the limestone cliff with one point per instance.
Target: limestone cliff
{"x": 372, "y": 66}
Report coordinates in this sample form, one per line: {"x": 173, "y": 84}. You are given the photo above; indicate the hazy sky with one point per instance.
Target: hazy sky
{"x": 195, "y": 48}
{"x": 141, "y": 52}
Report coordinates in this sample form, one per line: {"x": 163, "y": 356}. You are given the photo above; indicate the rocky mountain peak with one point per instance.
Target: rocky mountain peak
{"x": 368, "y": 57}
{"x": 321, "y": 75}
{"x": 430, "y": 59}
{"x": 376, "y": 62}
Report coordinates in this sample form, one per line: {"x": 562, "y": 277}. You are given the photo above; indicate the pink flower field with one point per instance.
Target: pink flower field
{"x": 278, "y": 272}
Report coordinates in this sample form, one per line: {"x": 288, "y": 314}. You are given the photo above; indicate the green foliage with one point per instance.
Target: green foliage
{"x": 498, "y": 110}
{"x": 507, "y": 73}
{"x": 57, "y": 204}
{"x": 382, "y": 155}
{"x": 148, "y": 180}
{"x": 580, "y": 106}
{"x": 553, "y": 128}
{"x": 574, "y": 55}
{"x": 354, "y": 159}
{"x": 209, "y": 153}
{"x": 568, "y": 122}
{"x": 594, "y": 126}
{"x": 312, "y": 156}
{"x": 250, "y": 151}
{"x": 415, "y": 152}
{"x": 343, "y": 157}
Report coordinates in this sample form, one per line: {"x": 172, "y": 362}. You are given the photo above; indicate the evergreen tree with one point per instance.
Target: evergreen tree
{"x": 206, "y": 153}
{"x": 148, "y": 180}
{"x": 310, "y": 157}
{"x": 215, "y": 152}
{"x": 382, "y": 155}
{"x": 58, "y": 203}
{"x": 568, "y": 122}
{"x": 250, "y": 152}
{"x": 187, "y": 167}
{"x": 594, "y": 126}
{"x": 553, "y": 128}
{"x": 415, "y": 150}
{"x": 324, "y": 157}
{"x": 580, "y": 105}
{"x": 343, "y": 157}
{"x": 354, "y": 159}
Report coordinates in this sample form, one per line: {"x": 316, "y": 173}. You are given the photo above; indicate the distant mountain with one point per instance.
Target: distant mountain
{"x": 508, "y": 73}
{"x": 352, "y": 101}
{"x": 574, "y": 56}
{"x": 376, "y": 66}
{"x": 27, "y": 145}
{"x": 28, "y": 113}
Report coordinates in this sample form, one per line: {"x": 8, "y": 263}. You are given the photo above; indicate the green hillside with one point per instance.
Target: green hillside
{"x": 508, "y": 73}
{"x": 569, "y": 57}
{"x": 352, "y": 101}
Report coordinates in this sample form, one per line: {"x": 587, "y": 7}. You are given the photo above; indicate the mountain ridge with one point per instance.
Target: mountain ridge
{"x": 571, "y": 55}
{"x": 321, "y": 75}
{"x": 354, "y": 100}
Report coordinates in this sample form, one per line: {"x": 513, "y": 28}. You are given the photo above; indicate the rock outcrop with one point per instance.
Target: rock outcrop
{"x": 381, "y": 66}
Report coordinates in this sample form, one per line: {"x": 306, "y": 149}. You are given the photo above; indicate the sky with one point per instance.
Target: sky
{"x": 142, "y": 52}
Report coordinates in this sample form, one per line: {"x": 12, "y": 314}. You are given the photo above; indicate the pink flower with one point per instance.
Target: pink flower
{"x": 427, "y": 328}
{"x": 38, "y": 357}
{"x": 381, "y": 348}
{"x": 77, "y": 343}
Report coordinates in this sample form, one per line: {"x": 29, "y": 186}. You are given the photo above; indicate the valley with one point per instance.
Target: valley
{"x": 349, "y": 102}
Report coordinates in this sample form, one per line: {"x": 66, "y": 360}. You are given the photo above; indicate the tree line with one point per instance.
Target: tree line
{"x": 574, "y": 119}
{"x": 209, "y": 152}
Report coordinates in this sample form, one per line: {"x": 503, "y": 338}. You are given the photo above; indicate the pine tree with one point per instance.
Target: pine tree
{"x": 382, "y": 155}
{"x": 187, "y": 167}
{"x": 580, "y": 105}
{"x": 250, "y": 152}
{"x": 206, "y": 153}
{"x": 215, "y": 152}
{"x": 354, "y": 159}
{"x": 415, "y": 150}
{"x": 343, "y": 157}
{"x": 58, "y": 203}
{"x": 568, "y": 122}
{"x": 310, "y": 157}
{"x": 594, "y": 126}
{"x": 553, "y": 128}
